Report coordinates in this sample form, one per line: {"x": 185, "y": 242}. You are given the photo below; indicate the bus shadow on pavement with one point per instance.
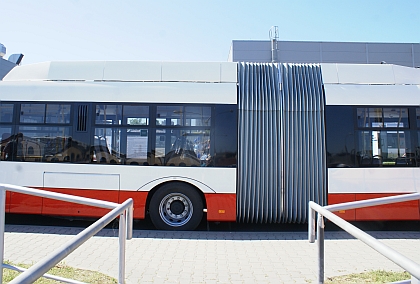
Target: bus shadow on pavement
{"x": 35, "y": 224}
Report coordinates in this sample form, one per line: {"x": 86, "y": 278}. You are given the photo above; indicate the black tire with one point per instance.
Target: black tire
{"x": 176, "y": 206}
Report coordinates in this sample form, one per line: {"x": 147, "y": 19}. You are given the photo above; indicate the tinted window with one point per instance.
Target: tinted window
{"x": 340, "y": 136}
{"x": 6, "y": 113}
{"x": 108, "y": 114}
{"x": 382, "y": 117}
{"x": 169, "y": 115}
{"x": 225, "y": 136}
{"x": 384, "y": 148}
{"x": 136, "y": 115}
{"x": 32, "y": 113}
{"x": 58, "y": 113}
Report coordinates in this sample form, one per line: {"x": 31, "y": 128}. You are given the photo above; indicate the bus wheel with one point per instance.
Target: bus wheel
{"x": 176, "y": 206}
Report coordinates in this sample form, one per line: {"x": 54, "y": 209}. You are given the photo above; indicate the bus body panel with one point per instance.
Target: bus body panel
{"x": 131, "y": 71}
{"x": 373, "y": 180}
{"x": 131, "y": 178}
{"x": 349, "y": 215}
{"x": 373, "y": 86}
{"x": 56, "y": 207}
{"x": 24, "y": 203}
{"x": 369, "y": 74}
{"x": 123, "y": 92}
{"x": 221, "y": 207}
{"x": 116, "y": 184}
{"x": 139, "y": 204}
{"x": 172, "y": 83}
{"x": 398, "y": 211}
{"x": 338, "y": 94}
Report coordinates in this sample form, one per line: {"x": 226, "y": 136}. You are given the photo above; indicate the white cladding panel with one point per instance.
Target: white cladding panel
{"x": 329, "y": 73}
{"x": 77, "y": 70}
{"x": 82, "y": 180}
{"x": 365, "y": 74}
{"x": 37, "y": 71}
{"x": 370, "y": 180}
{"x": 129, "y": 178}
{"x": 132, "y": 71}
{"x": 369, "y": 74}
{"x": 336, "y": 94}
{"x": 147, "y": 92}
{"x": 228, "y": 72}
{"x": 406, "y": 75}
{"x": 212, "y": 72}
{"x": 357, "y": 73}
{"x": 198, "y": 72}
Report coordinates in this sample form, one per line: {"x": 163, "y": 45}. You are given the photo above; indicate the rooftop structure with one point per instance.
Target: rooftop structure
{"x": 7, "y": 65}
{"x": 404, "y": 54}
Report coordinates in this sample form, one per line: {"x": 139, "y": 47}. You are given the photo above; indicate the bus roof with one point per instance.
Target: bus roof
{"x": 127, "y": 71}
{"x": 369, "y": 74}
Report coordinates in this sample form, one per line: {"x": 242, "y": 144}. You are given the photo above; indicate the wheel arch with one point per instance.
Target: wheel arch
{"x": 158, "y": 186}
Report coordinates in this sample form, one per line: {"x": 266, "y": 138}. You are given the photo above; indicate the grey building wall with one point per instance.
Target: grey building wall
{"x": 5, "y": 67}
{"x": 405, "y": 54}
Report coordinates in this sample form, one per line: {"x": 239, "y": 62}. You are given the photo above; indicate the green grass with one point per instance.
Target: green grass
{"x": 62, "y": 270}
{"x": 371, "y": 277}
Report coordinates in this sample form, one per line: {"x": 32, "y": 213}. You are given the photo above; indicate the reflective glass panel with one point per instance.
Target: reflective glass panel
{"x": 58, "y": 113}
{"x": 176, "y": 147}
{"x": 137, "y": 147}
{"x": 108, "y": 114}
{"x": 382, "y": 117}
{"x": 47, "y": 144}
{"x": 6, "y": 137}
{"x": 169, "y": 115}
{"x": 6, "y": 113}
{"x": 396, "y": 117}
{"x": 384, "y": 148}
{"x": 106, "y": 146}
{"x": 136, "y": 115}
{"x": 197, "y": 116}
{"x": 340, "y": 136}
{"x": 32, "y": 113}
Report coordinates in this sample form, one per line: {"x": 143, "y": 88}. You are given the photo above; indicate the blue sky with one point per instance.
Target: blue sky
{"x": 170, "y": 30}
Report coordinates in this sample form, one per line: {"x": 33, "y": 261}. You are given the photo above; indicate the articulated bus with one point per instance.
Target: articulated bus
{"x": 244, "y": 142}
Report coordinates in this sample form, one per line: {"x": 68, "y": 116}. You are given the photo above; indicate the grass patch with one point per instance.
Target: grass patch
{"x": 371, "y": 277}
{"x": 62, "y": 270}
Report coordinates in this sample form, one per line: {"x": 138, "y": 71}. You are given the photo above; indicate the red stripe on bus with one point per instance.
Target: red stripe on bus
{"x": 409, "y": 210}
{"x": 221, "y": 206}
{"x": 27, "y": 204}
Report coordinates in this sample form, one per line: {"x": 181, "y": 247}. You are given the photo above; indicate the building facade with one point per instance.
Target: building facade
{"x": 404, "y": 54}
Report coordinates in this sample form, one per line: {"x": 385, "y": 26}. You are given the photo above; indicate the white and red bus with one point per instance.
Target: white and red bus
{"x": 228, "y": 141}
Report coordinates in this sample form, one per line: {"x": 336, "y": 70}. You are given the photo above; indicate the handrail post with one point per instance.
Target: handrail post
{"x": 311, "y": 223}
{"x": 129, "y": 221}
{"x": 2, "y": 222}
{"x": 320, "y": 237}
{"x": 122, "y": 240}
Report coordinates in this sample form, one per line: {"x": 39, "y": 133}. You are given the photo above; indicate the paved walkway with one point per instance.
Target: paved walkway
{"x": 211, "y": 257}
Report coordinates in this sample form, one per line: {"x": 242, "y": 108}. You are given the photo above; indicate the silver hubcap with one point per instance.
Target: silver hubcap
{"x": 176, "y": 209}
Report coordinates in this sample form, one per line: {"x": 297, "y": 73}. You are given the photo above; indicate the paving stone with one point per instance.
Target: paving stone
{"x": 211, "y": 257}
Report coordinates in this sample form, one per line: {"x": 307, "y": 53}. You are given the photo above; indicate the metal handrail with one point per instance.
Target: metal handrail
{"x": 410, "y": 266}
{"x": 123, "y": 210}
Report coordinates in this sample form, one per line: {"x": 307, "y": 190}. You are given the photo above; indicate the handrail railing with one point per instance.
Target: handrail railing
{"x": 410, "y": 266}
{"x": 124, "y": 210}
